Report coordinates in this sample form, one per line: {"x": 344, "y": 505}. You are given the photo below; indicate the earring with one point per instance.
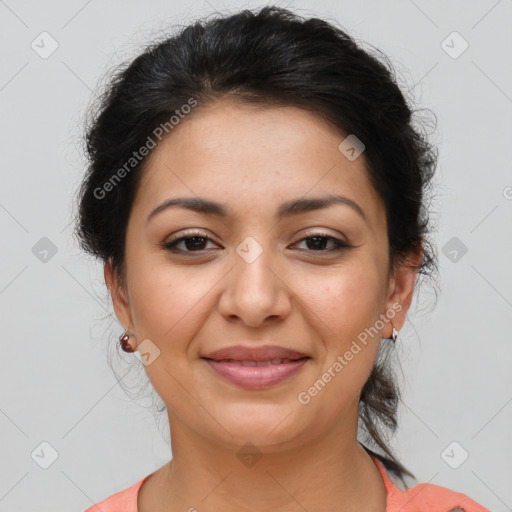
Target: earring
{"x": 123, "y": 340}
{"x": 394, "y": 335}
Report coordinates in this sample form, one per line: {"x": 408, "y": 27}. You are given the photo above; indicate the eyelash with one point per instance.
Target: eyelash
{"x": 171, "y": 245}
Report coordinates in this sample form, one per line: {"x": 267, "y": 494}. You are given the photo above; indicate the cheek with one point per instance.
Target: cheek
{"x": 167, "y": 301}
{"x": 346, "y": 301}
{"x": 346, "y": 306}
{"x": 169, "y": 307}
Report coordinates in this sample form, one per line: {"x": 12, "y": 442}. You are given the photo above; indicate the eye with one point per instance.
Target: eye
{"x": 318, "y": 241}
{"x": 194, "y": 242}
{"x": 197, "y": 242}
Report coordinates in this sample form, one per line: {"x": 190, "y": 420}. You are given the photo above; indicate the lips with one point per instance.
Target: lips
{"x": 268, "y": 353}
{"x": 255, "y": 363}
{"x": 256, "y": 368}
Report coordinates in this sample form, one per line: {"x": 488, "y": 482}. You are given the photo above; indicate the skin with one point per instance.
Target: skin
{"x": 296, "y": 294}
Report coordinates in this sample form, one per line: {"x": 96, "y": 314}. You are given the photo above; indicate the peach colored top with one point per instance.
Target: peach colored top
{"x": 420, "y": 498}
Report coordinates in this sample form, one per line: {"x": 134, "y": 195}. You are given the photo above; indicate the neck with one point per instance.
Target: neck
{"x": 327, "y": 473}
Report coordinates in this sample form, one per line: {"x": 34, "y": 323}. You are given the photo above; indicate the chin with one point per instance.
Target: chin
{"x": 266, "y": 429}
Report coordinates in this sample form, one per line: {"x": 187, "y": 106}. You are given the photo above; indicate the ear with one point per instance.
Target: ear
{"x": 119, "y": 296}
{"x": 401, "y": 290}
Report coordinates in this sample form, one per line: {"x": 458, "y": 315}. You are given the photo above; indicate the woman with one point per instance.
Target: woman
{"x": 257, "y": 193}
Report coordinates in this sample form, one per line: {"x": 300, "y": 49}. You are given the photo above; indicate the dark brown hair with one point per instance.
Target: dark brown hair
{"x": 271, "y": 57}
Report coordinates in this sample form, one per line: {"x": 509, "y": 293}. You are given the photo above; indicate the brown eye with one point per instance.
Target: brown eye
{"x": 195, "y": 242}
{"x": 319, "y": 241}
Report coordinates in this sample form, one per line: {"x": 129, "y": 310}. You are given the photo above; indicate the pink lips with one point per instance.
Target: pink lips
{"x": 256, "y": 368}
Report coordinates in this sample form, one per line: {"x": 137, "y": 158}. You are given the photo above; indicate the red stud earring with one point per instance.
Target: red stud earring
{"x": 123, "y": 340}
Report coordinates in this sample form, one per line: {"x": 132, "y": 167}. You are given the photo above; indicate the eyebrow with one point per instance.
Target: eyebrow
{"x": 287, "y": 209}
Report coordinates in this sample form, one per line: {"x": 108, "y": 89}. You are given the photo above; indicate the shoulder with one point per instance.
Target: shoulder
{"x": 432, "y": 498}
{"x": 122, "y": 501}
{"x": 423, "y": 497}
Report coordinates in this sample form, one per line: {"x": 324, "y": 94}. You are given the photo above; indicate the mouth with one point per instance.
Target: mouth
{"x": 256, "y": 368}
{"x": 263, "y": 353}
{"x": 256, "y": 363}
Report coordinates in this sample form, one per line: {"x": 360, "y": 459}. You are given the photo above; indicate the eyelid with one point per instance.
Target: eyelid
{"x": 188, "y": 233}
{"x": 312, "y": 232}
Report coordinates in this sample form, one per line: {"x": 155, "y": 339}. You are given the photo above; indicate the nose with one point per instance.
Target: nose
{"x": 255, "y": 291}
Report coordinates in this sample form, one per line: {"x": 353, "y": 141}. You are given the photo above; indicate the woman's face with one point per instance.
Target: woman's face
{"x": 252, "y": 277}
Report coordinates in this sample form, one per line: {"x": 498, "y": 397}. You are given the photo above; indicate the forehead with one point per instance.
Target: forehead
{"x": 254, "y": 157}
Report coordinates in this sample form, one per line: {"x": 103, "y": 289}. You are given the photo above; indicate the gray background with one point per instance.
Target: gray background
{"x": 56, "y": 385}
